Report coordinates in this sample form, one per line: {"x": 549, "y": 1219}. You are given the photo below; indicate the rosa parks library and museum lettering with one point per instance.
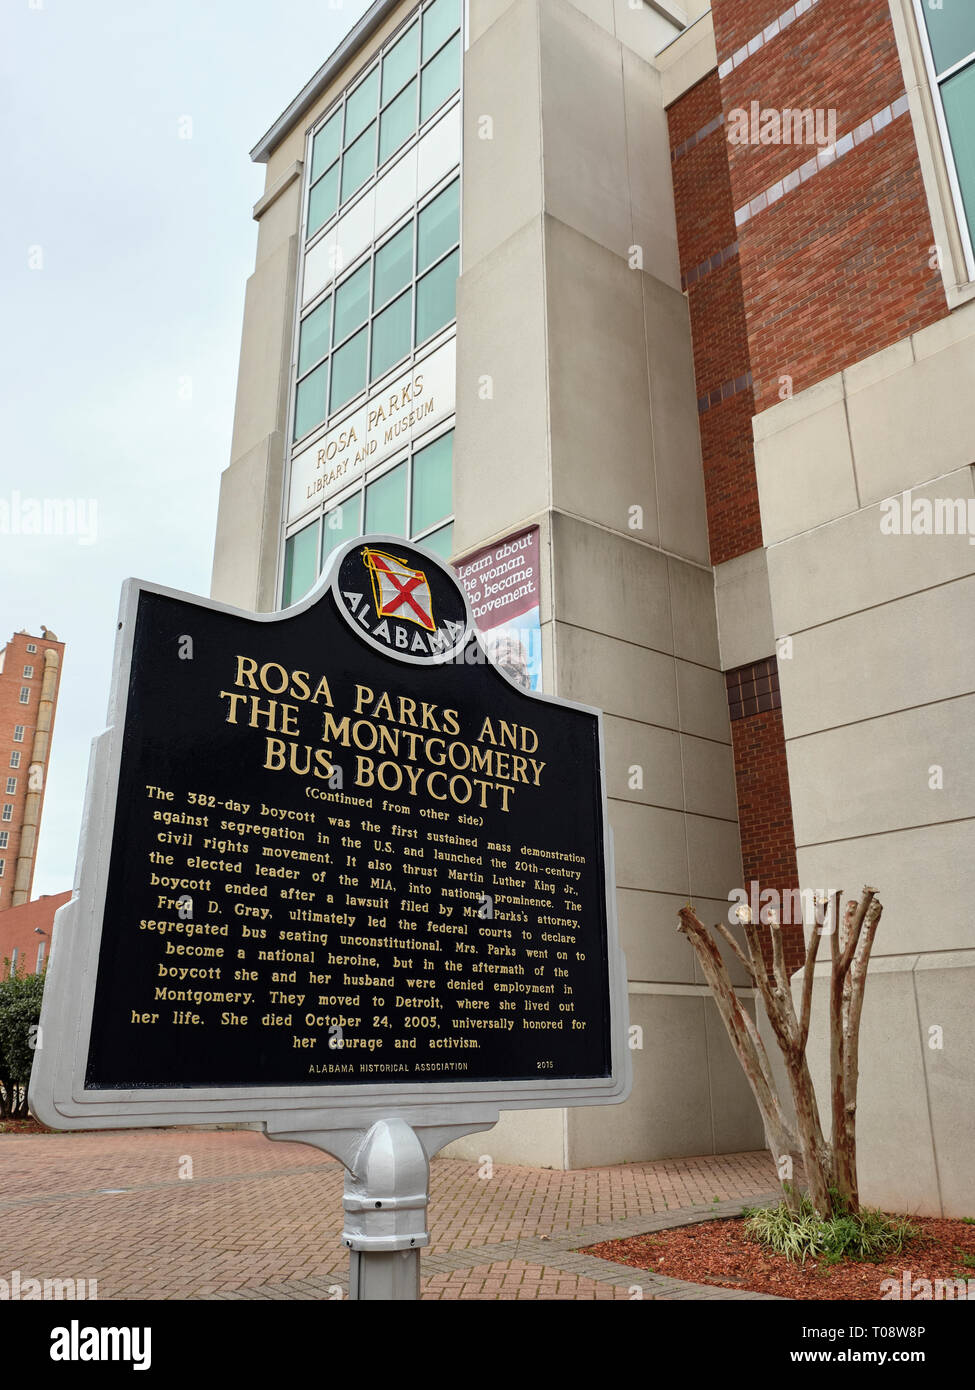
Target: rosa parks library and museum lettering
{"x": 360, "y": 918}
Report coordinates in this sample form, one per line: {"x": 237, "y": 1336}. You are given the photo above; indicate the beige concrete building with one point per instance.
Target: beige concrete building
{"x": 571, "y": 407}
{"x": 471, "y": 313}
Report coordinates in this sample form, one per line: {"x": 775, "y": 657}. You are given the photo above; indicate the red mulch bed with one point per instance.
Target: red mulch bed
{"x": 719, "y": 1252}
{"x": 30, "y": 1126}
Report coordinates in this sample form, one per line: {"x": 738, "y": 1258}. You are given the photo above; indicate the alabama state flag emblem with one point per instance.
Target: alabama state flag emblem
{"x": 399, "y": 591}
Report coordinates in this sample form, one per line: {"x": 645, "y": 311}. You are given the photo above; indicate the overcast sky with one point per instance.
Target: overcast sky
{"x": 125, "y": 248}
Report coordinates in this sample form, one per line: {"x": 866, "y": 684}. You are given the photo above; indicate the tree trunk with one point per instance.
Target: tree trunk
{"x": 829, "y": 1167}
{"x": 748, "y": 1046}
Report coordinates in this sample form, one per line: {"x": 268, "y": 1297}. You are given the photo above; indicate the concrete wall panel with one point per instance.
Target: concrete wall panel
{"x": 866, "y": 778}
{"x": 501, "y": 81}
{"x": 851, "y": 564}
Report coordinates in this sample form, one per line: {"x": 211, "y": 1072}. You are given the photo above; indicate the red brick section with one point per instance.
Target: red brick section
{"x": 705, "y": 225}
{"x": 841, "y": 266}
{"x": 702, "y": 183}
{"x": 837, "y": 269}
{"x": 18, "y": 932}
{"x": 15, "y": 658}
{"x": 730, "y": 486}
{"x": 768, "y": 847}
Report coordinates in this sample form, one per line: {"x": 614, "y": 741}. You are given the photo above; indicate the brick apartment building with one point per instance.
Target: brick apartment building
{"x": 30, "y": 674}
{"x": 702, "y": 311}
{"x": 25, "y": 934}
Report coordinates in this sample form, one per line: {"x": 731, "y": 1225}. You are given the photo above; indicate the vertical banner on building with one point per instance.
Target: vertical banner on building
{"x": 501, "y": 582}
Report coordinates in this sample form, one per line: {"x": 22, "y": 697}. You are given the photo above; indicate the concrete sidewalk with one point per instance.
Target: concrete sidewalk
{"x": 178, "y": 1214}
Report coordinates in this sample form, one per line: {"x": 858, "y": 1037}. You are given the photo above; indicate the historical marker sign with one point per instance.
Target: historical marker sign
{"x": 333, "y": 858}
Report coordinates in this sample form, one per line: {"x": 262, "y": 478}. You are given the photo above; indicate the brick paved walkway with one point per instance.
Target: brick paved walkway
{"x": 176, "y": 1214}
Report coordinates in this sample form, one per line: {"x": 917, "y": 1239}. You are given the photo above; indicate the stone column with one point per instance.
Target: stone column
{"x": 576, "y": 411}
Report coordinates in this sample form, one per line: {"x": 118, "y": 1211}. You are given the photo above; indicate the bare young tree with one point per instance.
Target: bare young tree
{"x": 830, "y": 1165}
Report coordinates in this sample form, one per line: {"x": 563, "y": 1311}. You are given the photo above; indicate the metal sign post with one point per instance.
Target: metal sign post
{"x": 342, "y": 876}
{"x": 387, "y": 1178}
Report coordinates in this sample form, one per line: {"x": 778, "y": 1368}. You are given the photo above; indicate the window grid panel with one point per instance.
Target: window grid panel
{"x": 25, "y": 694}
{"x": 439, "y": 524}
{"x": 441, "y": 20}
{"x": 323, "y": 163}
{"x": 438, "y": 226}
{"x": 326, "y": 146}
{"x": 395, "y": 320}
{"x": 950, "y": 34}
{"x": 327, "y": 158}
{"x": 400, "y": 62}
{"x": 391, "y": 286}
{"x": 346, "y": 272}
{"x": 434, "y": 462}
{"x": 398, "y": 122}
{"x": 439, "y": 540}
{"x": 430, "y": 282}
{"x": 316, "y": 333}
{"x": 18, "y": 733}
{"x": 299, "y": 575}
{"x": 15, "y": 759}
{"x": 8, "y": 811}
{"x": 303, "y": 388}
{"x": 961, "y": 180}
{"x": 360, "y": 107}
{"x": 323, "y": 199}
{"x": 436, "y": 78}
{"x": 451, "y": 193}
{"x": 351, "y": 357}
{"x": 28, "y": 673}
{"x": 11, "y": 785}
{"x": 958, "y": 103}
{"x": 363, "y": 274}
{"x": 4, "y": 838}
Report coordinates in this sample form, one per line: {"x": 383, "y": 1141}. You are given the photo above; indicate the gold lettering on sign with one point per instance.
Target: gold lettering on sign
{"x": 396, "y": 413}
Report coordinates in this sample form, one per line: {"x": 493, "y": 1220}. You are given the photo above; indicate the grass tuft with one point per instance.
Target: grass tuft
{"x": 866, "y": 1235}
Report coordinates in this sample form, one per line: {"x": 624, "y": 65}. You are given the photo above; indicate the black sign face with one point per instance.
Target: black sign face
{"x": 336, "y": 864}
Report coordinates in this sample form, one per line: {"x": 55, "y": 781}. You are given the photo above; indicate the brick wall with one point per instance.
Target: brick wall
{"x": 768, "y": 846}
{"x": 788, "y": 284}
{"x": 710, "y": 271}
{"x": 840, "y": 266}
{"x": 12, "y": 714}
{"x": 27, "y": 930}
{"x": 784, "y": 294}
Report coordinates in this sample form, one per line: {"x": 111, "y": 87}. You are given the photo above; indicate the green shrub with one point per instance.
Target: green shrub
{"x": 20, "y": 1014}
{"x": 802, "y": 1235}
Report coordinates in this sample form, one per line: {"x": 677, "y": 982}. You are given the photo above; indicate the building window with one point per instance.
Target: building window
{"x": 40, "y": 956}
{"x": 28, "y": 673}
{"x": 403, "y": 295}
{"x": 8, "y": 811}
{"x": 13, "y": 962}
{"x": 4, "y": 837}
{"x": 300, "y": 563}
{"x": 15, "y": 758}
{"x": 412, "y": 498}
{"x": 11, "y": 785}
{"x": 32, "y": 646}
{"x": 18, "y": 733}
{"x": 415, "y": 74}
{"x": 948, "y": 39}
{"x": 25, "y": 694}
